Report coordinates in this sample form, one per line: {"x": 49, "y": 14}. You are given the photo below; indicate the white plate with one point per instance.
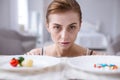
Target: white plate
{"x": 39, "y": 62}
{"x": 86, "y": 63}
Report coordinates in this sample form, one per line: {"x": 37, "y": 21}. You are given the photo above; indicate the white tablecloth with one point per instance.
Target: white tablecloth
{"x": 60, "y": 71}
{"x": 51, "y": 73}
{"x": 72, "y": 73}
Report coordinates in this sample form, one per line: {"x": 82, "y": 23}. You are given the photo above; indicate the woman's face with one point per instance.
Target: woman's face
{"x": 64, "y": 28}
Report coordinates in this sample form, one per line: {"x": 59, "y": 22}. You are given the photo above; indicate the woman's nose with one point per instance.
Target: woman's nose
{"x": 64, "y": 34}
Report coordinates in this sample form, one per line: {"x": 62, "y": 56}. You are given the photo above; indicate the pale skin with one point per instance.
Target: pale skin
{"x": 63, "y": 28}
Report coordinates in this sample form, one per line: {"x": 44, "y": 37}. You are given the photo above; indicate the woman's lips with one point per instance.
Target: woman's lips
{"x": 65, "y": 43}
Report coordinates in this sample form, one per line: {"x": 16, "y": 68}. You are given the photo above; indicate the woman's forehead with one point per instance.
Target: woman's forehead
{"x": 67, "y": 17}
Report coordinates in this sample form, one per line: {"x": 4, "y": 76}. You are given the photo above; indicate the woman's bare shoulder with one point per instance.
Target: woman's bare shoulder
{"x": 36, "y": 51}
{"x": 82, "y": 50}
{"x": 39, "y": 51}
{"x": 87, "y": 51}
{"x": 98, "y": 53}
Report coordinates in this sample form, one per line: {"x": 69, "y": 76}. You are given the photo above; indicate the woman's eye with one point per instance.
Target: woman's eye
{"x": 56, "y": 28}
{"x": 72, "y": 27}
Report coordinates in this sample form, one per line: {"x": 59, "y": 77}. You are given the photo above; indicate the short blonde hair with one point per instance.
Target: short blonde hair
{"x": 60, "y": 6}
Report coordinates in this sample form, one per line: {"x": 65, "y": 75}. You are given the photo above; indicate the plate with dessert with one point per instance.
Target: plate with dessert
{"x": 97, "y": 64}
{"x": 27, "y": 62}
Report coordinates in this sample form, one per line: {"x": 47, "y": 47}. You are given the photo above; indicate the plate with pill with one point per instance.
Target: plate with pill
{"x": 97, "y": 64}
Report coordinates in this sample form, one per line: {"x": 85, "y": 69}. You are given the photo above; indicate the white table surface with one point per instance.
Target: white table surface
{"x": 58, "y": 72}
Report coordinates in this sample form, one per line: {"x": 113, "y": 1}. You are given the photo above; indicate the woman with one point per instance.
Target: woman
{"x": 63, "y": 22}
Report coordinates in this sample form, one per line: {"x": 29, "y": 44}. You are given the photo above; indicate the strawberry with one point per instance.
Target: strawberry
{"x": 14, "y": 62}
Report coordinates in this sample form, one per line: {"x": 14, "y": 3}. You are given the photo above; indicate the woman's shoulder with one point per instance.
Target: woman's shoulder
{"x": 87, "y": 51}
{"x": 81, "y": 50}
{"x": 94, "y": 52}
{"x": 35, "y": 51}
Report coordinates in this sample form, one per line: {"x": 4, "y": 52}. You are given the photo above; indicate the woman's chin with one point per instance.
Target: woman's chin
{"x": 65, "y": 47}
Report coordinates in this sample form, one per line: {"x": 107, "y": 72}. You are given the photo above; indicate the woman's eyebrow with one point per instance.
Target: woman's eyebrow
{"x": 61, "y": 25}
{"x": 57, "y": 24}
{"x": 73, "y": 23}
